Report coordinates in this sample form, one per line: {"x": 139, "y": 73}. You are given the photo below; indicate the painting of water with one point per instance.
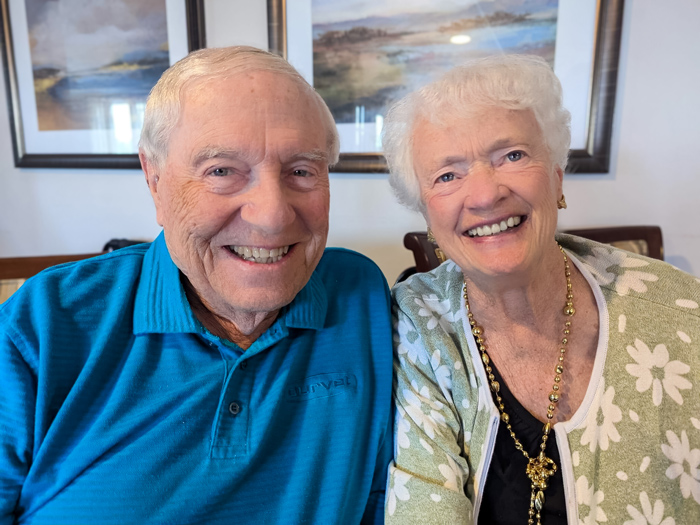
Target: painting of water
{"x": 368, "y": 53}
{"x": 94, "y": 61}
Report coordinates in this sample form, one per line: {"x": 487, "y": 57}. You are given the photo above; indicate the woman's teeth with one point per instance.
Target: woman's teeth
{"x": 259, "y": 255}
{"x": 496, "y": 228}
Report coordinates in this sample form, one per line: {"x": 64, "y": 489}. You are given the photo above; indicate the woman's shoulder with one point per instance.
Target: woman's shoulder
{"x": 622, "y": 274}
{"x": 444, "y": 283}
{"x": 431, "y": 303}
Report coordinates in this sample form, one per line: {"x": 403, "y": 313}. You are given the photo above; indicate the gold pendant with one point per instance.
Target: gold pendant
{"x": 539, "y": 470}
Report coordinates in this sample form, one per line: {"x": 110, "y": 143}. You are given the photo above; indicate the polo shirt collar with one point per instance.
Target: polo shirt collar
{"x": 161, "y": 305}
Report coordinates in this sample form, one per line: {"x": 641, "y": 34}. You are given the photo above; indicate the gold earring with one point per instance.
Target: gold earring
{"x": 561, "y": 203}
{"x": 439, "y": 254}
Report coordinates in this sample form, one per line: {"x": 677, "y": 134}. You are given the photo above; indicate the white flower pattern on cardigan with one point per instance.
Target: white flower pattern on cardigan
{"x": 646, "y": 363}
{"x": 649, "y": 515}
{"x": 596, "y": 435}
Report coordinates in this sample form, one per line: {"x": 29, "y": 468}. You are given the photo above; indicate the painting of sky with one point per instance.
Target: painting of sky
{"x": 88, "y": 56}
{"x": 368, "y": 53}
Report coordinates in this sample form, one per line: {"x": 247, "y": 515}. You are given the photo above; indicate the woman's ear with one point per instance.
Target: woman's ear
{"x": 559, "y": 174}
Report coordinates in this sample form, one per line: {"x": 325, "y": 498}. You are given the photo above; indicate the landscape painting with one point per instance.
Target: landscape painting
{"x": 95, "y": 61}
{"x": 368, "y": 53}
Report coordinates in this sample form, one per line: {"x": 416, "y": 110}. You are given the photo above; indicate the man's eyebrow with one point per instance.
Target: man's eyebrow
{"x": 213, "y": 152}
{"x": 316, "y": 155}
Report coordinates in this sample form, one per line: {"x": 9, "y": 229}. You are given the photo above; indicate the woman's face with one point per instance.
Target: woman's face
{"x": 489, "y": 188}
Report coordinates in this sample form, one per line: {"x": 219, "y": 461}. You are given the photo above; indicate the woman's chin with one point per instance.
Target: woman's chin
{"x": 498, "y": 260}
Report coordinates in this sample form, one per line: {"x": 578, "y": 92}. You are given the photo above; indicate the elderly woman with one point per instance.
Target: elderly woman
{"x": 540, "y": 378}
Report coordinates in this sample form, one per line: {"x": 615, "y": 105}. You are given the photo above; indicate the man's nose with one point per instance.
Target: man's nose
{"x": 268, "y": 207}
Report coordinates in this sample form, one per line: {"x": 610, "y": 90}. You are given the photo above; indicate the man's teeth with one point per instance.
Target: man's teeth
{"x": 484, "y": 231}
{"x": 260, "y": 255}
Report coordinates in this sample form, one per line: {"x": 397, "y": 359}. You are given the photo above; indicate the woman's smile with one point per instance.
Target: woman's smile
{"x": 496, "y": 228}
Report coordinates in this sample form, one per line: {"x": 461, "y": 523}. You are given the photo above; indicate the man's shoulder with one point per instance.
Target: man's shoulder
{"x": 341, "y": 264}
{"x": 80, "y": 284}
{"x": 353, "y": 284}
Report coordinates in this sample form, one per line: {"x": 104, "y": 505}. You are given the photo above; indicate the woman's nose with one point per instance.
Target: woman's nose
{"x": 482, "y": 187}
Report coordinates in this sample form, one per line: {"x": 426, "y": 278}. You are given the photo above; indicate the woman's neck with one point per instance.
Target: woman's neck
{"x": 533, "y": 298}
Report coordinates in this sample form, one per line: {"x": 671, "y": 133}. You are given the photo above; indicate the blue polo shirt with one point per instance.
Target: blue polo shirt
{"x": 118, "y": 407}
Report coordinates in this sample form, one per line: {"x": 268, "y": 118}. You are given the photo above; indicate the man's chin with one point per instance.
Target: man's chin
{"x": 257, "y": 299}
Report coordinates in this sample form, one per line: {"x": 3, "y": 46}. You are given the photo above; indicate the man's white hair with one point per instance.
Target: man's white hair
{"x": 520, "y": 82}
{"x": 164, "y": 102}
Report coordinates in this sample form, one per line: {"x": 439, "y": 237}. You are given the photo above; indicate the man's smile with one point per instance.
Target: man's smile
{"x": 259, "y": 255}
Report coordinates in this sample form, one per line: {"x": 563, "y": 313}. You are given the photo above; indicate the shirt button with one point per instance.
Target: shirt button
{"x": 244, "y": 365}
{"x": 234, "y": 408}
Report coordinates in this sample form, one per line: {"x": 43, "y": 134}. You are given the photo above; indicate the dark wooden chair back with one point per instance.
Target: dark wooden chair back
{"x": 15, "y": 270}
{"x": 644, "y": 240}
{"x": 26, "y": 267}
{"x": 426, "y": 253}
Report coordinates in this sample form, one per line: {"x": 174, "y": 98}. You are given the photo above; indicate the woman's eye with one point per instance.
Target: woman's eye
{"x": 514, "y": 156}
{"x": 446, "y": 177}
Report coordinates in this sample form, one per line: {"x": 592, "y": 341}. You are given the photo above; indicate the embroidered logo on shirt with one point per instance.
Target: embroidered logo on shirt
{"x": 321, "y": 385}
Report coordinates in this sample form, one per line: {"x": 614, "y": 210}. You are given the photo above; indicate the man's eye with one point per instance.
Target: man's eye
{"x": 301, "y": 173}
{"x": 446, "y": 177}
{"x": 220, "y": 172}
{"x": 514, "y": 156}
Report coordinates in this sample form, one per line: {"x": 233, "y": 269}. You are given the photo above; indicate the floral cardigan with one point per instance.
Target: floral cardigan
{"x": 631, "y": 452}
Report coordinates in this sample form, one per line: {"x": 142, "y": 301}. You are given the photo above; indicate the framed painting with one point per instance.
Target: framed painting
{"x": 361, "y": 55}
{"x": 78, "y": 74}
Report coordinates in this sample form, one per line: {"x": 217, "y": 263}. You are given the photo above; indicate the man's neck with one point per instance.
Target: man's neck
{"x": 243, "y": 332}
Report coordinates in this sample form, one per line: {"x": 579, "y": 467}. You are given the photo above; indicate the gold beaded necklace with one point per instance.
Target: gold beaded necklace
{"x": 539, "y": 468}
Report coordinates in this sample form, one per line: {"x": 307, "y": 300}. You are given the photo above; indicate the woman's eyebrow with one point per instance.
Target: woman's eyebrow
{"x": 494, "y": 146}
{"x": 505, "y": 143}
{"x": 452, "y": 159}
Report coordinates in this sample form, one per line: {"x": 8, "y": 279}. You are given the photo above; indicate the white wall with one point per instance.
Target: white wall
{"x": 654, "y": 178}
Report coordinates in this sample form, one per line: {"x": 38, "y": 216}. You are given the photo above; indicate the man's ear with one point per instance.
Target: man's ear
{"x": 152, "y": 179}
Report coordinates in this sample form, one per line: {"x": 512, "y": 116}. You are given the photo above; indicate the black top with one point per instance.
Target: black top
{"x": 506, "y": 497}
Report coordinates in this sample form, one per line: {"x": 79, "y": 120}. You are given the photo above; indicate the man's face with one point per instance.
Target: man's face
{"x": 243, "y": 197}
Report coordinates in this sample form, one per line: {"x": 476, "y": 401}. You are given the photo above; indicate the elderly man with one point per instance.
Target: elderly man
{"x": 229, "y": 372}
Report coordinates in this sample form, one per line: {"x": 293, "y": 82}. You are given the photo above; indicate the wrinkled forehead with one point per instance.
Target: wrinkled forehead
{"x": 249, "y": 116}
{"x": 262, "y": 86}
{"x": 257, "y": 98}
